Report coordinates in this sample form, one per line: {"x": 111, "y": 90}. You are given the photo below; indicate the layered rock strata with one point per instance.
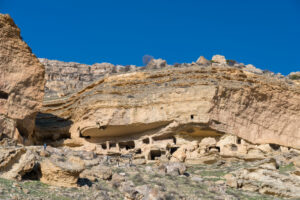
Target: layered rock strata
{"x": 21, "y": 83}
{"x": 157, "y": 111}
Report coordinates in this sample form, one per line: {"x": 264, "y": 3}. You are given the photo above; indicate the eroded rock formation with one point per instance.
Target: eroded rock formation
{"x": 21, "y": 83}
{"x": 156, "y": 112}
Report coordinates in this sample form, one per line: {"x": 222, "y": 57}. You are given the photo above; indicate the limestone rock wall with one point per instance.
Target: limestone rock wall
{"x": 21, "y": 83}
{"x": 65, "y": 78}
{"x": 130, "y": 106}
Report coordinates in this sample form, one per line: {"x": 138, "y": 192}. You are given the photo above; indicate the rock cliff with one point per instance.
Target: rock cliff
{"x": 21, "y": 83}
{"x": 155, "y": 109}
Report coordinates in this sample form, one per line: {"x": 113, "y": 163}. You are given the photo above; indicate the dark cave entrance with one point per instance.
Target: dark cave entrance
{"x": 127, "y": 145}
{"x": 155, "y": 154}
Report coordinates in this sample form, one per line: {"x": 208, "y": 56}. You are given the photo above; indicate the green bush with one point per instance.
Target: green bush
{"x": 294, "y": 77}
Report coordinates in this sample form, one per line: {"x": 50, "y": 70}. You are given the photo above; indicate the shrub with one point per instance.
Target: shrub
{"x": 230, "y": 62}
{"x": 294, "y": 77}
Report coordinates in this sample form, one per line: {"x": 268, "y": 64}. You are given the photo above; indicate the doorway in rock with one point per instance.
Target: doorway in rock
{"x": 173, "y": 149}
{"x": 34, "y": 174}
{"x": 155, "y": 154}
{"x": 127, "y": 145}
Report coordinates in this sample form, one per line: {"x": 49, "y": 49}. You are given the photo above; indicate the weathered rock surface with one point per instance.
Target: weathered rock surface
{"x": 263, "y": 177}
{"x": 61, "y": 172}
{"x": 65, "y": 78}
{"x": 219, "y": 59}
{"x": 203, "y": 61}
{"x": 21, "y": 85}
{"x": 158, "y": 110}
{"x": 15, "y": 162}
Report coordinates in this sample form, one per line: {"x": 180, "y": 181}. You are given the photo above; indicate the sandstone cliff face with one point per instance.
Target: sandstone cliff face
{"x": 21, "y": 82}
{"x": 65, "y": 78}
{"x": 153, "y": 108}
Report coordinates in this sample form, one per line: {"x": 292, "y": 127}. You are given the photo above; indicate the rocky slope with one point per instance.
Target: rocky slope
{"x": 21, "y": 83}
{"x": 210, "y": 129}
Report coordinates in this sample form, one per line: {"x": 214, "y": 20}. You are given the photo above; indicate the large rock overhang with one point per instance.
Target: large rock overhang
{"x": 254, "y": 107}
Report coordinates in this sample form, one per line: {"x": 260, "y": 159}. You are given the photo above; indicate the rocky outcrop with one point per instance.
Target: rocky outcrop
{"x": 219, "y": 59}
{"x": 60, "y": 171}
{"x": 156, "y": 112}
{"x": 15, "y": 162}
{"x": 65, "y": 78}
{"x": 203, "y": 61}
{"x": 156, "y": 64}
{"x": 263, "y": 177}
{"x": 21, "y": 85}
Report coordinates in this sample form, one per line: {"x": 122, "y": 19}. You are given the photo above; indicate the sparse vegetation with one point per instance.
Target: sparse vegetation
{"x": 294, "y": 77}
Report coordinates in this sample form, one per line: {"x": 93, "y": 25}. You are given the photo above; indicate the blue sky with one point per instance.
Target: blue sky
{"x": 265, "y": 33}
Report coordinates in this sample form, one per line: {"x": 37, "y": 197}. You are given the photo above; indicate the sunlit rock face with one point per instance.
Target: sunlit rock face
{"x": 134, "y": 110}
{"x": 65, "y": 78}
{"x": 21, "y": 83}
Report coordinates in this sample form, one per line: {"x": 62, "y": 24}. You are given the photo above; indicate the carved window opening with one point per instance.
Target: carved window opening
{"x": 192, "y": 116}
{"x": 173, "y": 149}
{"x": 127, "y": 145}
{"x": 146, "y": 141}
{"x": 138, "y": 151}
{"x": 3, "y": 95}
{"x": 154, "y": 154}
{"x": 112, "y": 145}
{"x": 103, "y": 146}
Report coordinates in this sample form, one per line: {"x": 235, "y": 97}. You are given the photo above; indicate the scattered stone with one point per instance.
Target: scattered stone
{"x": 219, "y": 59}
{"x": 202, "y": 61}
{"x": 156, "y": 64}
{"x": 61, "y": 172}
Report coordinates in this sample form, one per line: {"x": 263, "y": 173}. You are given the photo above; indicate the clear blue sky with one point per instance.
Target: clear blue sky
{"x": 265, "y": 33}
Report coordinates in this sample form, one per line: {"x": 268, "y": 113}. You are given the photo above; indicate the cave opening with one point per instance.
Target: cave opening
{"x": 34, "y": 174}
{"x": 173, "y": 149}
{"x": 127, "y": 145}
{"x": 155, "y": 154}
{"x": 239, "y": 141}
{"x": 103, "y": 146}
{"x": 146, "y": 141}
{"x": 138, "y": 151}
{"x": 214, "y": 148}
{"x": 3, "y": 95}
{"x": 192, "y": 116}
{"x": 112, "y": 145}
{"x": 275, "y": 147}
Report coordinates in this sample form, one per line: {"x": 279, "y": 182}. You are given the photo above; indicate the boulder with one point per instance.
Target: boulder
{"x": 202, "y": 61}
{"x": 253, "y": 69}
{"x": 219, "y": 59}
{"x": 58, "y": 171}
{"x": 97, "y": 172}
{"x": 264, "y": 177}
{"x": 175, "y": 168}
{"x": 156, "y": 64}
{"x": 22, "y": 82}
{"x": 15, "y": 162}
